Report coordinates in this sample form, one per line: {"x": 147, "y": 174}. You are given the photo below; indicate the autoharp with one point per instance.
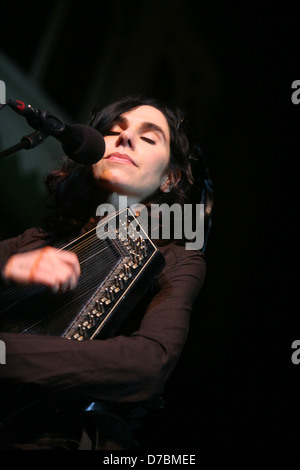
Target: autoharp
{"x": 116, "y": 271}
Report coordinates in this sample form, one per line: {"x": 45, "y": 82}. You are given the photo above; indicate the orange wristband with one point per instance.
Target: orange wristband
{"x": 36, "y": 263}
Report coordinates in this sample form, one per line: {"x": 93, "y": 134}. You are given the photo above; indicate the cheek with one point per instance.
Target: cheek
{"x": 156, "y": 166}
{"x": 108, "y": 146}
{"x": 97, "y": 169}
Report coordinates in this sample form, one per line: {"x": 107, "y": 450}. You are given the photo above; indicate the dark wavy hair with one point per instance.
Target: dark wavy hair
{"x": 73, "y": 192}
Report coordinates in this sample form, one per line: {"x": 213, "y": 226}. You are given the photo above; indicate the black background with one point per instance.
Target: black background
{"x": 231, "y": 67}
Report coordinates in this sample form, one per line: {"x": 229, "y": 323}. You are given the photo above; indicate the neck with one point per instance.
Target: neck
{"x": 118, "y": 200}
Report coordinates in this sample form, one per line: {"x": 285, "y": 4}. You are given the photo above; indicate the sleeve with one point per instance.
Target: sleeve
{"x": 7, "y": 248}
{"x": 121, "y": 369}
{"x": 31, "y": 239}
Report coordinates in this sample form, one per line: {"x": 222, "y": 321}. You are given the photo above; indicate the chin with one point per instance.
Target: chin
{"x": 115, "y": 182}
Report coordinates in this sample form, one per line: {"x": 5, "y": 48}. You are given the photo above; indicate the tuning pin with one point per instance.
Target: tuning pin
{"x": 99, "y": 306}
{"x": 107, "y": 293}
{"x": 145, "y": 249}
{"x": 111, "y": 294}
{"x": 82, "y": 331}
{"x": 91, "y": 318}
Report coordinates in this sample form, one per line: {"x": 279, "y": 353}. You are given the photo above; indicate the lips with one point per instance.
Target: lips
{"x": 121, "y": 158}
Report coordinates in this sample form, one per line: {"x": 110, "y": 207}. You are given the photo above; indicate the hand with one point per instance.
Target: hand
{"x": 57, "y": 269}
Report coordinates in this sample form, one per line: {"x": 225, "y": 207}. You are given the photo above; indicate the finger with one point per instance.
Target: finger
{"x": 54, "y": 288}
{"x": 69, "y": 284}
{"x": 67, "y": 274}
{"x": 58, "y": 268}
{"x": 62, "y": 278}
{"x": 71, "y": 259}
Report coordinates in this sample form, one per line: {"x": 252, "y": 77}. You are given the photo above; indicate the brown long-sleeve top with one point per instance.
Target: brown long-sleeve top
{"x": 122, "y": 369}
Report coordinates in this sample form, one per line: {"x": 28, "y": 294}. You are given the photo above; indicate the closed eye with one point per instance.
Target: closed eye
{"x": 145, "y": 139}
{"x": 149, "y": 141}
{"x": 112, "y": 133}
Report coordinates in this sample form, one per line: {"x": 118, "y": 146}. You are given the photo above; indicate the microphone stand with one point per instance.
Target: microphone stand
{"x": 27, "y": 142}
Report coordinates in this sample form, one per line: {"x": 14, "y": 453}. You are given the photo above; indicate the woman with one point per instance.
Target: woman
{"x": 145, "y": 159}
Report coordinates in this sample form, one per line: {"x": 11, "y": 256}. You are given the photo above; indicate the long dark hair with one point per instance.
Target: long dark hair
{"x": 74, "y": 194}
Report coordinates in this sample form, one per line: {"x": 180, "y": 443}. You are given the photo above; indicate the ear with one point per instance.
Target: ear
{"x": 166, "y": 184}
{"x": 170, "y": 180}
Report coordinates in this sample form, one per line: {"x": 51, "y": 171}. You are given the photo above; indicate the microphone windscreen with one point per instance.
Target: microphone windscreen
{"x": 92, "y": 146}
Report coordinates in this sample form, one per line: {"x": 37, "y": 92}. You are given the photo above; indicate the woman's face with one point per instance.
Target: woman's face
{"x": 137, "y": 154}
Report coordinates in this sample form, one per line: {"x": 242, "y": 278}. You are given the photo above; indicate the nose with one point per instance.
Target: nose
{"x": 126, "y": 138}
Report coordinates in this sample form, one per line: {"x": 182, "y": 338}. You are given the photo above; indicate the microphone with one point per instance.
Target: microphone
{"x": 80, "y": 142}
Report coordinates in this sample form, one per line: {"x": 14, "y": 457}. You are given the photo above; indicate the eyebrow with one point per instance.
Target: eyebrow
{"x": 144, "y": 127}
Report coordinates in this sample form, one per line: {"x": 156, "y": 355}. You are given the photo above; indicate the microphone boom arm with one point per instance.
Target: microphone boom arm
{"x": 27, "y": 142}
